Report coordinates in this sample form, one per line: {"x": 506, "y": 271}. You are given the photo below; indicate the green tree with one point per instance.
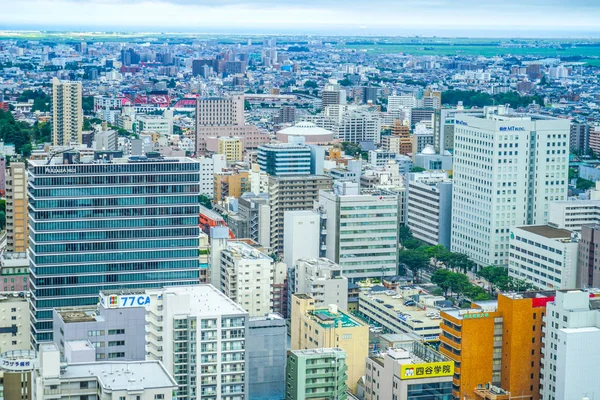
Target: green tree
{"x": 87, "y": 103}
{"x": 310, "y": 85}
{"x": 345, "y": 82}
{"x": 441, "y": 277}
{"x": 206, "y": 201}
{"x": 417, "y": 169}
{"x": 404, "y": 233}
{"x": 459, "y": 284}
{"x": 584, "y": 184}
{"x": 414, "y": 260}
{"x": 572, "y": 173}
{"x": 496, "y": 276}
{"x": 2, "y": 219}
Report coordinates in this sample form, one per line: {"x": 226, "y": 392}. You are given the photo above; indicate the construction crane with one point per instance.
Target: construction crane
{"x": 57, "y": 153}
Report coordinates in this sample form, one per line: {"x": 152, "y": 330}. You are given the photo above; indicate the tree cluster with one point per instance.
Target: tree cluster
{"x": 459, "y": 284}
{"x": 498, "y": 279}
{"x": 17, "y": 133}
{"x": 472, "y": 98}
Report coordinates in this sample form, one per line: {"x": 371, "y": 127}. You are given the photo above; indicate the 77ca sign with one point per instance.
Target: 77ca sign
{"x": 124, "y": 301}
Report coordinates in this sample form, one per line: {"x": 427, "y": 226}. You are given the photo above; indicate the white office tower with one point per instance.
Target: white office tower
{"x": 247, "y": 277}
{"x": 571, "y": 355}
{"x": 322, "y": 280}
{"x": 360, "y": 125}
{"x": 429, "y": 207}
{"x": 507, "y": 168}
{"x": 200, "y": 336}
{"x": 362, "y": 230}
{"x": 573, "y": 214}
{"x": 301, "y": 240}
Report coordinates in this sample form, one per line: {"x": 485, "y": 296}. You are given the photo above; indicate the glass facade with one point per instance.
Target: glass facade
{"x": 278, "y": 160}
{"x": 430, "y": 391}
{"x": 105, "y": 226}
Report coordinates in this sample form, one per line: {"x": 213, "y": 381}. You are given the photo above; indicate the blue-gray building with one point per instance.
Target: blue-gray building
{"x": 106, "y": 224}
{"x": 285, "y": 159}
{"x": 267, "y": 352}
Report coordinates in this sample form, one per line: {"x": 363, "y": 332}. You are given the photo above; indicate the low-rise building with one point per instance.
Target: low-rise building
{"x": 322, "y": 280}
{"x": 398, "y": 312}
{"x": 544, "y": 256}
{"x": 573, "y": 214}
{"x": 14, "y": 321}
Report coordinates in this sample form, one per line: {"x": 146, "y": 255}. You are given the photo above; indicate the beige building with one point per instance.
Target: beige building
{"x": 231, "y": 147}
{"x": 14, "y": 325}
{"x": 16, "y": 208}
{"x": 314, "y": 328}
{"x": 67, "y": 115}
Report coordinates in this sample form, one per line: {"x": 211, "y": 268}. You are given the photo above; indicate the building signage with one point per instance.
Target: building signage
{"x": 459, "y": 122}
{"x": 429, "y": 370}
{"x": 60, "y": 170}
{"x": 511, "y": 129}
{"x": 124, "y": 301}
{"x": 16, "y": 363}
{"x": 475, "y": 315}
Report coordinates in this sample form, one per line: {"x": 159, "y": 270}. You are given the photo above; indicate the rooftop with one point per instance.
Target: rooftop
{"x": 318, "y": 352}
{"x": 79, "y": 314}
{"x": 203, "y": 300}
{"x": 305, "y": 129}
{"x": 245, "y": 251}
{"x": 130, "y": 376}
{"x": 57, "y": 162}
{"x": 547, "y": 231}
{"x": 328, "y": 319}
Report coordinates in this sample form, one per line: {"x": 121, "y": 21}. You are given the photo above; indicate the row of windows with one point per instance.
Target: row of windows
{"x": 119, "y": 223}
{"x": 113, "y": 202}
{"x": 115, "y": 212}
{"x": 110, "y": 278}
{"x": 62, "y": 270}
{"x": 116, "y": 179}
{"x": 114, "y": 245}
{"x": 115, "y": 235}
{"x": 94, "y": 257}
{"x": 111, "y": 191}
{"x": 130, "y": 168}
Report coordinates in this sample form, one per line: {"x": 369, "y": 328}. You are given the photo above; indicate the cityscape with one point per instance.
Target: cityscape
{"x": 253, "y": 200}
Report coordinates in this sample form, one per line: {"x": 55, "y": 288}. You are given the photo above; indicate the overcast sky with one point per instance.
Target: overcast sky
{"x": 563, "y": 17}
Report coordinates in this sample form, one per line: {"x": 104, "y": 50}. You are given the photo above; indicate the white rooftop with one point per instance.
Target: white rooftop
{"x": 305, "y": 129}
{"x": 130, "y": 376}
{"x": 204, "y": 300}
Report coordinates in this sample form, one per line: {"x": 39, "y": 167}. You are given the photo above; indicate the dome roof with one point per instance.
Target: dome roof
{"x": 429, "y": 150}
{"x": 305, "y": 128}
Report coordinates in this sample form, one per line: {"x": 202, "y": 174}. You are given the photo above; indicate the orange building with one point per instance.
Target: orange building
{"x": 231, "y": 184}
{"x": 497, "y": 343}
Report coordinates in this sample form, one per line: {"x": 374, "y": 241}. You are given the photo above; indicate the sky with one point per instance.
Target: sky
{"x": 535, "y": 18}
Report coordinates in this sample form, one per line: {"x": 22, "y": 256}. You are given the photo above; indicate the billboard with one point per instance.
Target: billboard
{"x": 429, "y": 370}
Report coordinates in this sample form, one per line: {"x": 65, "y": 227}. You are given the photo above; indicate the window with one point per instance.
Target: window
{"x": 159, "y": 396}
{"x": 116, "y": 343}
{"x": 116, "y": 331}
{"x": 116, "y": 355}
{"x": 83, "y": 385}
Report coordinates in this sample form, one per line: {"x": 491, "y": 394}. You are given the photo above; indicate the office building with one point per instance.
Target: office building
{"x": 247, "y": 277}
{"x": 316, "y": 374}
{"x": 379, "y": 157}
{"x": 588, "y": 257}
{"x": 534, "y": 71}
{"x": 67, "y": 113}
{"x": 292, "y": 193}
{"x": 231, "y": 148}
{"x": 413, "y": 371}
{"x": 507, "y": 334}
{"x": 200, "y": 336}
{"x": 429, "y": 207}
{"x": 499, "y": 182}
{"x": 362, "y": 230}
{"x": 136, "y": 227}
{"x": 570, "y": 354}
{"x": 421, "y": 317}
{"x": 253, "y": 219}
{"x": 285, "y": 115}
{"x": 358, "y": 126}
{"x": 106, "y": 140}
{"x": 285, "y": 159}
{"x": 419, "y": 114}
{"x": 267, "y": 348}
{"x": 421, "y": 138}
{"x": 544, "y": 256}
{"x": 217, "y": 117}
{"x": 314, "y": 328}
{"x": 579, "y": 138}
{"x": 331, "y": 96}
{"x": 17, "y": 234}
{"x": 431, "y": 161}
{"x": 14, "y": 325}
{"x": 369, "y": 95}
{"x": 320, "y": 279}
{"x": 53, "y": 378}
{"x": 114, "y": 326}
{"x": 302, "y": 232}
{"x": 573, "y": 214}
{"x": 153, "y": 123}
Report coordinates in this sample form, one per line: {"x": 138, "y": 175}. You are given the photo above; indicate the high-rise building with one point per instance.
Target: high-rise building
{"x": 253, "y": 219}
{"x": 507, "y": 168}
{"x": 362, "y": 230}
{"x": 284, "y": 159}
{"x": 224, "y": 116}
{"x": 285, "y": 115}
{"x": 544, "y": 256}
{"x": 331, "y": 96}
{"x": 247, "y": 277}
{"x": 326, "y": 327}
{"x": 588, "y": 257}
{"x": 230, "y": 183}
{"x": 429, "y": 207}
{"x": 67, "y": 113}
{"x": 200, "y": 336}
{"x": 357, "y": 126}
{"x": 302, "y": 232}
{"x": 369, "y": 94}
{"x": 412, "y": 371}
{"x": 316, "y": 374}
{"x": 292, "y": 193}
{"x": 571, "y": 353}
{"x": 579, "y": 138}
{"x": 497, "y": 343}
{"x": 534, "y": 71}
{"x": 231, "y": 148}
{"x": 17, "y": 235}
{"x": 127, "y": 224}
